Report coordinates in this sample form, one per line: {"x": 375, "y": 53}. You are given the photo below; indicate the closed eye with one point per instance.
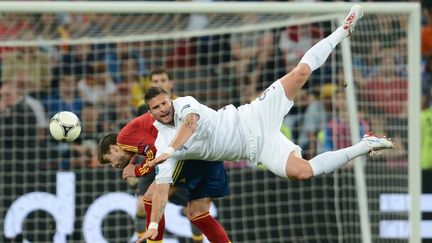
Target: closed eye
{"x": 154, "y": 107}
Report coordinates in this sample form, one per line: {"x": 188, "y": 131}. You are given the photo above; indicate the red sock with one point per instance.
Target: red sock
{"x": 211, "y": 228}
{"x": 161, "y": 227}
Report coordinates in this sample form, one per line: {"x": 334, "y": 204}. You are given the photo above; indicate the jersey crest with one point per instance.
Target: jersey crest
{"x": 184, "y": 107}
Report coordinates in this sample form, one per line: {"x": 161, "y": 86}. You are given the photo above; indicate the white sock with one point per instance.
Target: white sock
{"x": 317, "y": 55}
{"x": 329, "y": 162}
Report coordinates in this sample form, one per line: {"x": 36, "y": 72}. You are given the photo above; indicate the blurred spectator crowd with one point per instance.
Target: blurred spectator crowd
{"x": 104, "y": 82}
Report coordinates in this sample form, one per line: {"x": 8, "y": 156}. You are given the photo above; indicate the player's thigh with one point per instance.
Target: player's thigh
{"x": 144, "y": 183}
{"x": 198, "y": 206}
{"x": 140, "y": 205}
{"x": 148, "y": 195}
{"x": 294, "y": 80}
{"x": 275, "y": 153}
{"x": 270, "y": 108}
{"x": 179, "y": 197}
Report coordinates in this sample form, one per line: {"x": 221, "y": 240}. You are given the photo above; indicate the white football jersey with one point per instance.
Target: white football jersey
{"x": 218, "y": 136}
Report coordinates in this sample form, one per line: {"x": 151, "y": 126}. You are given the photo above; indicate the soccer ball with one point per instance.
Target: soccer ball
{"x": 65, "y": 126}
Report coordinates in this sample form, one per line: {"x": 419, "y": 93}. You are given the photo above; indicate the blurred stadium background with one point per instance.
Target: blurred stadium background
{"x": 96, "y": 64}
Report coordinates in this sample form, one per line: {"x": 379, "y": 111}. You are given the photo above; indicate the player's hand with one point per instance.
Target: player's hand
{"x": 128, "y": 171}
{"x": 149, "y": 234}
{"x": 158, "y": 160}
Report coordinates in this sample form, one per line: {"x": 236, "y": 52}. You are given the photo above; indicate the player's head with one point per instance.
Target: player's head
{"x": 160, "y": 105}
{"x": 9, "y": 94}
{"x": 110, "y": 153}
{"x": 160, "y": 78}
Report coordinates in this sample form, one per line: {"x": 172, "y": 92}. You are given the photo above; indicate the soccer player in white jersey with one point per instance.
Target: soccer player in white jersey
{"x": 190, "y": 130}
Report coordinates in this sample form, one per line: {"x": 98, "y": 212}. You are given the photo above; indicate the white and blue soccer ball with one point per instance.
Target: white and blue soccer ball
{"x": 65, "y": 126}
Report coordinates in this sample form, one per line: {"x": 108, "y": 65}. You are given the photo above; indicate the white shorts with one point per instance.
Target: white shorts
{"x": 263, "y": 119}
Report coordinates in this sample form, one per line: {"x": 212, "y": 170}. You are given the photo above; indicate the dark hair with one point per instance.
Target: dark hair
{"x": 104, "y": 146}
{"x": 159, "y": 71}
{"x": 153, "y": 92}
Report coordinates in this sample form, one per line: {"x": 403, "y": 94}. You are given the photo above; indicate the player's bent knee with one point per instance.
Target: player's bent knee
{"x": 198, "y": 207}
{"x": 302, "y": 72}
{"x": 195, "y": 211}
{"x": 294, "y": 81}
{"x": 301, "y": 176}
{"x": 147, "y": 196}
{"x": 140, "y": 205}
{"x": 298, "y": 168}
{"x": 192, "y": 213}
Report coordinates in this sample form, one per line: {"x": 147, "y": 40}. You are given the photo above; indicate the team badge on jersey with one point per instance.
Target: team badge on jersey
{"x": 146, "y": 148}
{"x": 182, "y": 148}
{"x": 185, "y": 107}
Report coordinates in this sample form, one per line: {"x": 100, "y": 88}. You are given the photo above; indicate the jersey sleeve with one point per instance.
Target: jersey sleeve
{"x": 164, "y": 171}
{"x": 186, "y": 105}
{"x": 139, "y": 162}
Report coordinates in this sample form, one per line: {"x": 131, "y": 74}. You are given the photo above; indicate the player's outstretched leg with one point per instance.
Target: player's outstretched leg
{"x": 329, "y": 162}
{"x": 316, "y": 56}
{"x": 355, "y": 14}
{"x": 300, "y": 169}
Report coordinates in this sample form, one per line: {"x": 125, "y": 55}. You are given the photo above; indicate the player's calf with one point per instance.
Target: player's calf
{"x": 211, "y": 228}
{"x": 317, "y": 55}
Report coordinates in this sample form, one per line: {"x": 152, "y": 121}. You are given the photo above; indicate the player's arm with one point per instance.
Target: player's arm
{"x": 160, "y": 199}
{"x": 136, "y": 167}
{"x": 185, "y": 131}
{"x": 163, "y": 181}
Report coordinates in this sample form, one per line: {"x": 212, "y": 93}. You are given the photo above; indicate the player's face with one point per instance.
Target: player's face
{"x": 8, "y": 95}
{"x": 161, "y": 108}
{"x": 117, "y": 157}
{"x": 162, "y": 81}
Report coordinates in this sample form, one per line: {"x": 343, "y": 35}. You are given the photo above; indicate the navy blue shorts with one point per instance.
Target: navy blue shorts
{"x": 201, "y": 178}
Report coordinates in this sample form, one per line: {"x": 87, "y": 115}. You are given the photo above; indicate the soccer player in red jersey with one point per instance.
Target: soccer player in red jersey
{"x": 137, "y": 139}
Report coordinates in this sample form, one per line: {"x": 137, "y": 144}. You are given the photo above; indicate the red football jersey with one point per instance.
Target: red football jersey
{"x": 139, "y": 136}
